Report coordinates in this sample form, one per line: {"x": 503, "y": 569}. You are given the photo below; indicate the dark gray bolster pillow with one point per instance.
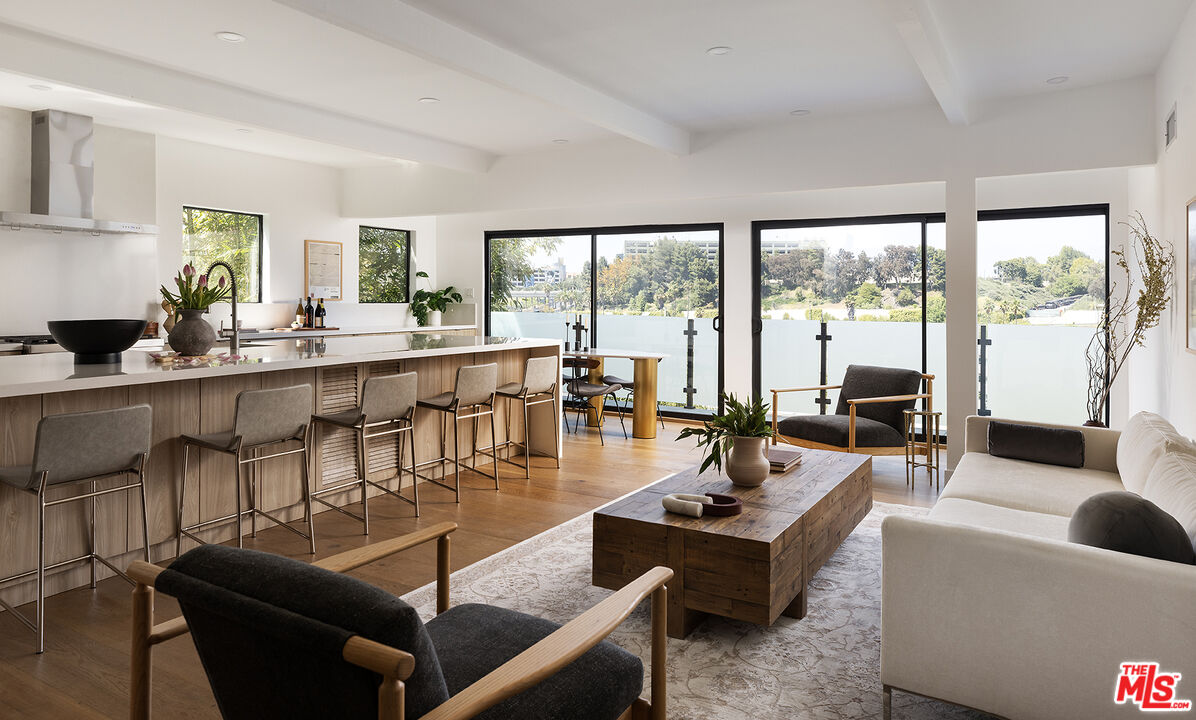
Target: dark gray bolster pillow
{"x": 1128, "y": 523}
{"x": 1052, "y": 446}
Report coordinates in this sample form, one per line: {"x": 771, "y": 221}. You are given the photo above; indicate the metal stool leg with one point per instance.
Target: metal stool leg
{"x": 493, "y": 445}
{"x": 527, "y": 449}
{"x": 92, "y": 527}
{"x": 253, "y": 494}
{"x": 237, "y": 482}
{"x": 311, "y": 518}
{"x": 144, "y": 509}
{"x": 363, "y": 469}
{"x": 41, "y": 568}
{"x": 457, "y": 453}
{"x": 556, "y": 433}
{"x": 178, "y": 542}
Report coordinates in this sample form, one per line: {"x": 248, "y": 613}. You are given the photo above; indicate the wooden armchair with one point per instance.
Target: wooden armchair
{"x": 869, "y": 418}
{"x": 282, "y": 639}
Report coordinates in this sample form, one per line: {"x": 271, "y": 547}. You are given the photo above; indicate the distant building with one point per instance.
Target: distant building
{"x": 632, "y": 248}
{"x": 548, "y": 275}
{"x": 780, "y": 247}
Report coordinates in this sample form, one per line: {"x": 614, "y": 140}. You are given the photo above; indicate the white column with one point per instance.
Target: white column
{"x": 962, "y": 370}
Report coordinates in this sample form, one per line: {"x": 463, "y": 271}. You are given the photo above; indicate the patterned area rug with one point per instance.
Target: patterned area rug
{"x": 826, "y": 665}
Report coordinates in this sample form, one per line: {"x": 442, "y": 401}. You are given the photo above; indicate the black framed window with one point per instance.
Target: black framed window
{"x": 384, "y": 263}
{"x": 655, "y": 288}
{"x": 232, "y": 237}
{"x": 1042, "y": 282}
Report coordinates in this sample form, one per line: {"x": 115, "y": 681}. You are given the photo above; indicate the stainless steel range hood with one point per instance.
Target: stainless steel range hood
{"x": 62, "y": 172}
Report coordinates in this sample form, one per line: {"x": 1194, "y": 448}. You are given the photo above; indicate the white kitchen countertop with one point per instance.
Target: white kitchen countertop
{"x": 56, "y": 372}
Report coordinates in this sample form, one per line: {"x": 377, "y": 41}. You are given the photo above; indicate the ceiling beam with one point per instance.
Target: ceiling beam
{"x": 40, "y": 56}
{"x": 406, "y": 28}
{"x": 923, "y": 38}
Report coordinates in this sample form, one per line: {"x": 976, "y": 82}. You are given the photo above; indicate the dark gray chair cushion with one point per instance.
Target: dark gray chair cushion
{"x": 270, "y": 631}
{"x": 1129, "y": 523}
{"x": 832, "y": 430}
{"x": 471, "y": 640}
{"x": 1051, "y": 446}
{"x": 865, "y": 381}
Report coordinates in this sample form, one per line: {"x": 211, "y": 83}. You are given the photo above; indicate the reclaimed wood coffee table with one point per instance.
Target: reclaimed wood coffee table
{"x": 754, "y": 566}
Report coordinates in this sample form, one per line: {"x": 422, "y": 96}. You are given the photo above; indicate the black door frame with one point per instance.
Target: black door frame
{"x": 758, "y": 226}
{"x": 1053, "y": 211}
{"x": 594, "y": 232}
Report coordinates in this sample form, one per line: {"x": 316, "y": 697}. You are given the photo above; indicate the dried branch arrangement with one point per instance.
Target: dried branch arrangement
{"x": 1128, "y": 315}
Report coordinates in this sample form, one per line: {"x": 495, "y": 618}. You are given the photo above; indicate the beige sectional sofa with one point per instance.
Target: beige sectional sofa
{"x": 986, "y": 604}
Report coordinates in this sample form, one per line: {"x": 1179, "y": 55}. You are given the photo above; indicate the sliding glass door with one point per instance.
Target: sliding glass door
{"x": 647, "y": 288}
{"x": 831, "y": 293}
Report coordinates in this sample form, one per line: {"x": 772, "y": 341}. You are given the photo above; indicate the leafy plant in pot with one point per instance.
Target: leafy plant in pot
{"x": 191, "y": 334}
{"x": 741, "y": 434}
{"x": 427, "y": 305}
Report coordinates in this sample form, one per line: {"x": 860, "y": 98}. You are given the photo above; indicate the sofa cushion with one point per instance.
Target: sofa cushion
{"x": 1145, "y": 439}
{"x": 1128, "y": 523}
{"x": 1172, "y": 486}
{"x": 1022, "y": 485}
{"x": 996, "y": 517}
{"x": 1052, "y": 446}
{"x": 866, "y": 381}
{"x": 833, "y": 430}
{"x": 471, "y": 640}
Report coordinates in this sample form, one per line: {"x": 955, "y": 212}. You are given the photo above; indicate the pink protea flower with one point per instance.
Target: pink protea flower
{"x": 188, "y": 270}
{"x": 203, "y": 281}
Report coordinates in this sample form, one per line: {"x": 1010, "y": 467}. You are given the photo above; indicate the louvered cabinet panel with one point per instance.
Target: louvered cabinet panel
{"x": 339, "y": 390}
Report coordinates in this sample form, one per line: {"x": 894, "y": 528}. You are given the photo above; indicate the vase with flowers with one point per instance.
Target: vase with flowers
{"x": 191, "y": 334}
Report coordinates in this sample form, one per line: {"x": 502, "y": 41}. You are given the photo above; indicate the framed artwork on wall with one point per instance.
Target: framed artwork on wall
{"x": 1191, "y": 289}
{"x": 322, "y": 271}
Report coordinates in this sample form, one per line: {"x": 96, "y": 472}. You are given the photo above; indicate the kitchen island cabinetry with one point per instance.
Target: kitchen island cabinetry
{"x": 201, "y": 400}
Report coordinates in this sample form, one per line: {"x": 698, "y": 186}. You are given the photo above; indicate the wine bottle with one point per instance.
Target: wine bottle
{"x": 299, "y": 314}
{"x": 309, "y": 314}
{"x": 321, "y": 313}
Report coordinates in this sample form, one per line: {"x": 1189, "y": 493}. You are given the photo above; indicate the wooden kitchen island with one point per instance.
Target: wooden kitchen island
{"x": 200, "y": 400}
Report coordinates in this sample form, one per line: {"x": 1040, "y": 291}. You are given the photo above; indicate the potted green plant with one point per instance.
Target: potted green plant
{"x": 427, "y": 305}
{"x": 191, "y": 334}
{"x": 741, "y": 433}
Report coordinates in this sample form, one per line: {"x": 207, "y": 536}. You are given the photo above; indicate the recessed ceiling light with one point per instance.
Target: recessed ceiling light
{"x": 718, "y": 50}
{"x": 560, "y": 141}
{"x": 1057, "y": 80}
{"x": 244, "y": 130}
{"x": 799, "y": 113}
{"x": 42, "y": 88}
{"x": 429, "y": 100}
{"x": 230, "y": 36}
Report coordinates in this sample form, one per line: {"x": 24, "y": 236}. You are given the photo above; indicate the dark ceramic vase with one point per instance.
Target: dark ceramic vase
{"x": 192, "y": 335}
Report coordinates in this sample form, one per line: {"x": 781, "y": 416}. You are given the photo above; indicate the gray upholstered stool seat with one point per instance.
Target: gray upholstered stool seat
{"x": 509, "y": 389}
{"x": 19, "y": 476}
{"x": 538, "y": 388}
{"x": 387, "y": 409}
{"x": 213, "y": 441}
{"x": 72, "y": 449}
{"x": 261, "y": 419}
{"x": 584, "y": 389}
{"x": 471, "y": 640}
{"x": 471, "y": 398}
{"x": 834, "y": 430}
{"x": 350, "y": 418}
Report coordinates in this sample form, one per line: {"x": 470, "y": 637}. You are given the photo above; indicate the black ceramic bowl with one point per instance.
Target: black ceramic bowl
{"x": 96, "y": 341}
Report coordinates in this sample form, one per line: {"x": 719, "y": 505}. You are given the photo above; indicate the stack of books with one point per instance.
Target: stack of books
{"x": 783, "y": 458}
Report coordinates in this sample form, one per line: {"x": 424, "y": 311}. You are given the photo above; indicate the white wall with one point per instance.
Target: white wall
{"x": 53, "y": 276}
{"x": 299, "y": 201}
{"x": 1165, "y": 371}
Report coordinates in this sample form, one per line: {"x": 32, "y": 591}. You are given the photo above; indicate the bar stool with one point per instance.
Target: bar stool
{"x": 387, "y": 403}
{"x": 262, "y": 418}
{"x": 538, "y": 387}
{"x": 629, "y": 386}
{"x": 584, "y": 391}
{"x": 474, "y": 389}
{"x": 74, "y": 448}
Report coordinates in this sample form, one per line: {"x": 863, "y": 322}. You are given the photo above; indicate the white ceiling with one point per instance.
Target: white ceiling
{"x": 339, "y": 82}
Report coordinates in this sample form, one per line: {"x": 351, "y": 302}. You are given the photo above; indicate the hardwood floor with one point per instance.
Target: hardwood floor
{"x": 84, "y": 671}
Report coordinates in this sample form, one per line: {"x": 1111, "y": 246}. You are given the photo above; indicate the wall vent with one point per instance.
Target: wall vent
{"x": 1169, "y": 127}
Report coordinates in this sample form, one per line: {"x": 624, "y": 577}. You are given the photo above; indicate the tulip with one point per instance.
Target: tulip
{"x": 222, "y": 282}
{"x": 188, "y": 270}
{"x": 203, "y": 281}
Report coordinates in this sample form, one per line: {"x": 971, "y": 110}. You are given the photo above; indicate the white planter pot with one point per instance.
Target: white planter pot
{"x": 747, "y": 463}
